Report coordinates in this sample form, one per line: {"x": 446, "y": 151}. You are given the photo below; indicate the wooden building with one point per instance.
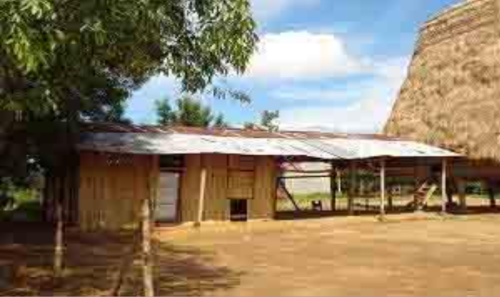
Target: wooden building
{"x": 112, "y": 187}
{"x": 196, "y": 175}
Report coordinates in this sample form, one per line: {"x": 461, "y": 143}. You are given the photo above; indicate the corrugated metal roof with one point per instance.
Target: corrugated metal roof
{"x": 228, "y": 132}
{"x": 320, "y": 146}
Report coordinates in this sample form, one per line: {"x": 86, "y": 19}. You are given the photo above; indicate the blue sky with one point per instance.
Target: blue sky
{"x": 329, "y": 65}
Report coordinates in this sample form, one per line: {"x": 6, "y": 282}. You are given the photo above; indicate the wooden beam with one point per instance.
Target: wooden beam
{"x": 382, "y": 188}
{"x": 289, "y": 195}
{"x": 201, "y": 198}
{"x": 444, "y": 192}
{"x": 305, "y": 176}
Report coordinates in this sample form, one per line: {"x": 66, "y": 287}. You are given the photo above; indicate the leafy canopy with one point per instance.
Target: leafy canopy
{"x": 189, "y": 112}
{"x": 81, "y": 55}
{"x": 67, "y": 61}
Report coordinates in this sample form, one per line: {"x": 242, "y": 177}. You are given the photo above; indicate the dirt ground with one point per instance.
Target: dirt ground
{"x": 406, "y": 255}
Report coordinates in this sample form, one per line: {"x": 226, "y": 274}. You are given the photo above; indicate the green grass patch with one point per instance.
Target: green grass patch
{"x": 26, "y": 207}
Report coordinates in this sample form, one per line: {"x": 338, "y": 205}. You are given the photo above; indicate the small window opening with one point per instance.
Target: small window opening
{"x": 239, "y": 210}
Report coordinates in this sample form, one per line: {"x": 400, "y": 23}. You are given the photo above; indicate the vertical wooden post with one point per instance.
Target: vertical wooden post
{"x": 444, "y": 192}
{"x": 462, "y": 197}
{"x": 339, "y": 181}
{"x": 491, "y": 194}
{"x": 147, "y": 227}
{"x": 201, "y": 198}
{"x": 382, "y": 188}
{"x": 333, "y": 190}
{"x": 58, "y": 252}
{"x": 352, "y": 188}
{"x": 147, "y": 265}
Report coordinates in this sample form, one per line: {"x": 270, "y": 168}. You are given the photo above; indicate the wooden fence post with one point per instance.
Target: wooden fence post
{"x": 147, "y": 265}
{"x": 58, "y": 252}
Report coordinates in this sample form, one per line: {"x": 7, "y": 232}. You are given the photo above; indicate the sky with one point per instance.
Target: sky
{"x": 324, "y": 64}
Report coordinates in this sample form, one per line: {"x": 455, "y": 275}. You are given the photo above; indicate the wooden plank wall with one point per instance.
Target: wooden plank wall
{"x": 190, "y": 188}
{"x": 262, "y": 206}
{"x": 216, "y": 204}
{"x": 229, "y": 177}
{"x": 112, "y": 187}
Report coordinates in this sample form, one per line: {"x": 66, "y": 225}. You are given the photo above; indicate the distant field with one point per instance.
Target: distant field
{"x": 305, "y": 201}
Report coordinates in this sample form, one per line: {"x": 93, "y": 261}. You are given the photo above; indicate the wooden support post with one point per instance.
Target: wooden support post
{"x": 352, "y": 188}
{"x": 390, "y": 200}
{"x": 147, "y": 259}
{"x": 58, "y": 252}
{"x": 382, "y": 188}
{"x": 462, "y": 197}
{"x": 444, "y": 192}
{"x": 339, "y": 181}
{"x": 201, "y": 198}
{"x": 333, "y": 190}
{"x": 491, "y": 194}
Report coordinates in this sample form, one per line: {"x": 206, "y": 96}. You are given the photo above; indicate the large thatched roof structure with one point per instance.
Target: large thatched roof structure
{"x": 451, "y": 96}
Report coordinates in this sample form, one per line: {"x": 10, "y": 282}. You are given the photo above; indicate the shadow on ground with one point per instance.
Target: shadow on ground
{"x": 92, "y": 260}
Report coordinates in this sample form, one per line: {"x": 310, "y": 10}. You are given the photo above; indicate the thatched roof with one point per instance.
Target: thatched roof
{"x": 451, "y": 97}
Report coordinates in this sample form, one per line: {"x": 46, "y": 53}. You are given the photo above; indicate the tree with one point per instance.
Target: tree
{"x": 164, "y": 113}
{"x": 189, "y": 112}
{"x": 70, "y": 61}
{"x": 269, "y": 118}
{"x": 220, "y": 122}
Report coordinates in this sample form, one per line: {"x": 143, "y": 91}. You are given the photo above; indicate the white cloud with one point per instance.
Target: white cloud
{"x": 302, "y": 55}
{"x": 266, "y": 9}
{"x": 367, "y": 113}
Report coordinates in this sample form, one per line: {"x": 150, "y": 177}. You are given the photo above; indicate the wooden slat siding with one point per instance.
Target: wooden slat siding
{"x": 216, "y": 204}
{"x": 243, "y": 163}
{"x": 190, "y": 188}
{"x": 241, "y": 185}
{"x": 262, "y": 206}
{"x": 110, "y": 195}
{"x": 241, "y": 178}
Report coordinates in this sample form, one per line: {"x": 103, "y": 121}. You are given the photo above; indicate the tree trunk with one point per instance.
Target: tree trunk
{"x": 147, "y": 269}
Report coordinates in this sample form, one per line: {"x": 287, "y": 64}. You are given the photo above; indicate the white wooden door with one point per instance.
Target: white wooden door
{"x": 166, "y": 207}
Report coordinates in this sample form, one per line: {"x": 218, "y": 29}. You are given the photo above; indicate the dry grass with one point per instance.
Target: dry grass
{"x": 407, "y": 255}
{"x": 450, "y": 95}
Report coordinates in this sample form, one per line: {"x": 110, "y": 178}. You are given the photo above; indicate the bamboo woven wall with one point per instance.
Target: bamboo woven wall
{"x": 112, "y": 187}
{"x": 450, "y": 97}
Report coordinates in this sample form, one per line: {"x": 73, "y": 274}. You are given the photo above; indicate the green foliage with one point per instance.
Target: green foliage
{"x": 12, "y": 194}
{"x": 189, "y": 112}
{"x": 269, "y": 119}
{"x": 220, "y": 122}
{"x": 69, "y": 61}
{"x": 164, "y": 113}
{"x": 51, "y": 50}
